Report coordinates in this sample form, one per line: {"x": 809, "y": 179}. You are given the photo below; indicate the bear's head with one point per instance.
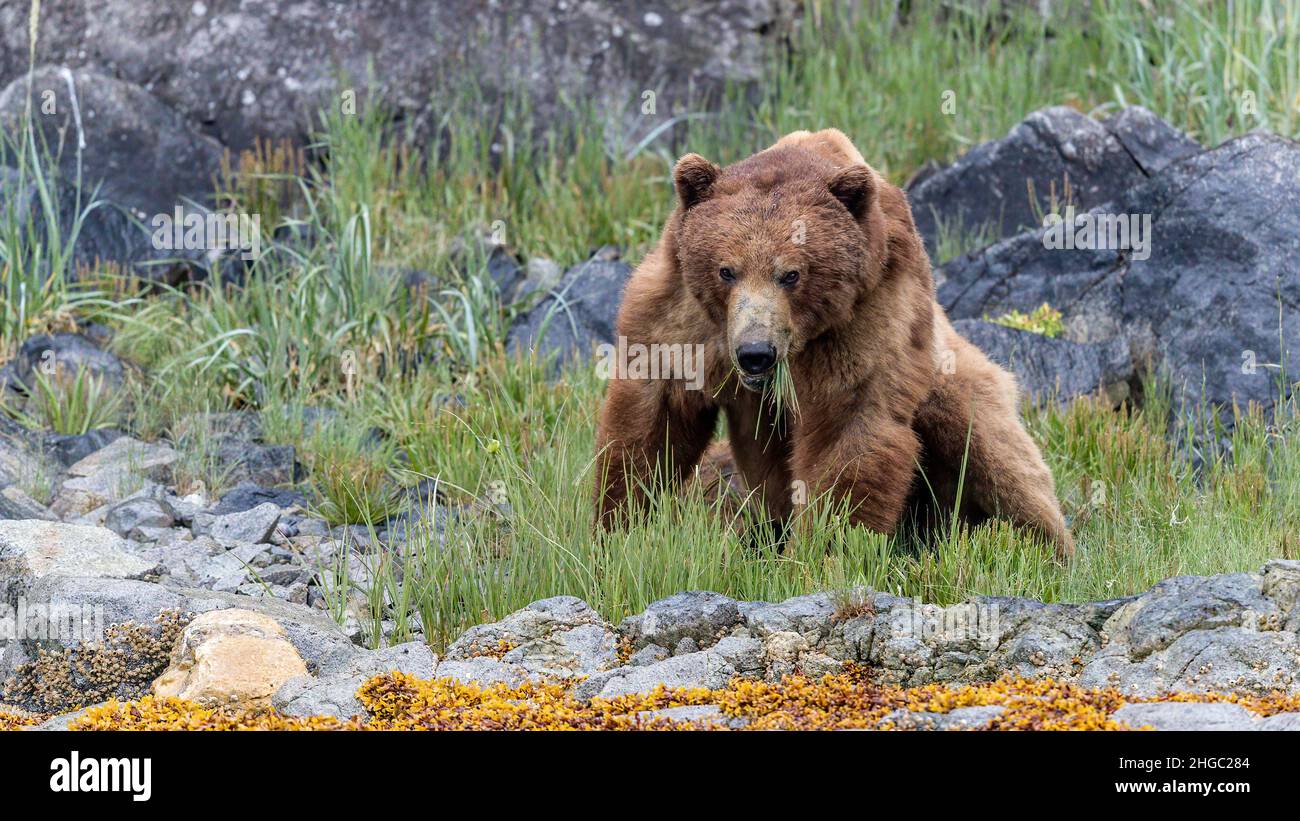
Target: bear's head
{"x": 777, "y": 248}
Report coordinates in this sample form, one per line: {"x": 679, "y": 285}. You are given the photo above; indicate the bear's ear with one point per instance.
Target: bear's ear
{"x": 854, "y": 186}
{"x": 694, "y": 176}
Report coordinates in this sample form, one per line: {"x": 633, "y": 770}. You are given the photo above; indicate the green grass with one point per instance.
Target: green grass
{"x": 67, "y": 404}
{"x": 415, "y": 384}
{"x": 1140, "y": 513}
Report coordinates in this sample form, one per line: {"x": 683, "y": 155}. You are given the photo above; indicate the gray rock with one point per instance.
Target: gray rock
{"x": 68, "y": 449}
{"x": 1203, "y": 306}
{"x": 962, "y": 718}
{"x": 478, "y": 251}
{"x": 1281, "y": 583}
{"x": 335, "y": 695}
{"x": 579, "y": 314}
{"x": 129, "y": 518}
{"x": 712, "y": 669}
{"x": 648, "y": 655}
{"x": 194, "y": 562}
{"x": 1045, "y": 642}
{"x": 1056, "y": 368}
{"x": 290, "y": 64}
{"x": 245, "y": 425}
{"x": 580, "y": 651}
{"x": 16, "y": 504}
{"x": 1149, "y": 140}
{"x": 1003, "y": 185}
{"x": 140, "y": 153}
{"x": 125, "y": 456}
{"x": 248, "y": 495}
{"x": 100, "y": 603}
{"x": 561, "y": 637}
{"x": 59, "y": 723}
{"x": 1279, "y": 722}
{"x": 254, "y": 526}
{"x": 283, "y": 574}
{"x": 322, "y": 644}
{"x": 700, "y": 615}
{"x": 1224, "y": 659}
{"x": 33, "y": 550}
{"x": 243, "y": 461}
{"x": 1185, "y": 716}
{"x": 484, "y": 671}
{"x": 107, "y": 233}
{"x": 80, "y": 495}
{"x": 65, "y": 354}
{"x": 1179, "y": 605}
{"x": 801, "y": 614}
{"x": 702, "y": 716}
{"x": 541, "y": 276}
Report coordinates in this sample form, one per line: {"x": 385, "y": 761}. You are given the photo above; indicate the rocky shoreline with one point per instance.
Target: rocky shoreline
{"x": 1234, "y": 636}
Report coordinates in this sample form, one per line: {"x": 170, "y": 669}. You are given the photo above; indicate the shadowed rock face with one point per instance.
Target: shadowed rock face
{"x": 1046, "y": 367}
{"x": 244, "y": 70}
{"x": 577, "y": 314}
{"x": 1213, "y": 305}
{"x": 141, "y": 154}
{"x": 1054, "y": 155}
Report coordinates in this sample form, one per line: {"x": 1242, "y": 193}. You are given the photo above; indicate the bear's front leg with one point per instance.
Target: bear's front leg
{"x": 868, "y": 463}
{"x": 651, "y": 434}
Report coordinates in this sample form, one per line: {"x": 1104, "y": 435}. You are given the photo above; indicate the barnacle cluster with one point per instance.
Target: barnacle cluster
{"x": 122, "y": 665}
{"x": 848, "y": 700}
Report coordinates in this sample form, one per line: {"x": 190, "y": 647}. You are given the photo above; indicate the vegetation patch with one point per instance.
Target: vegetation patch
{"x": 848, "y": 700}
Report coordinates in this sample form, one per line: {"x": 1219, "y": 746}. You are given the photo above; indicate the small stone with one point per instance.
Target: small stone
{"x": 128, "y": 455}
{"x": 255, "y": 525}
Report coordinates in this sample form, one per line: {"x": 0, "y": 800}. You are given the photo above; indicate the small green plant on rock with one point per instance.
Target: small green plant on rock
{"x": 70, "y": 406}
{"x": 1044, "y": 320}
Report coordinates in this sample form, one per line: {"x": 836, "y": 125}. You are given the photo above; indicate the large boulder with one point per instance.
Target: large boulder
{"x": 263, "y": 71}
{"x": 32, "y": 550}
{"x": 141, "y": 154}
{"x": 1203, "y": 302}
{"x": 1057, "y": 154}
{"x": 108, "y": 233}
{"x": 1230, "y": 633}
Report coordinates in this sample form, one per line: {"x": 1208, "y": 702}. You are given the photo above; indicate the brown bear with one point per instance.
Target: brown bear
{"x": 803, "y": 258}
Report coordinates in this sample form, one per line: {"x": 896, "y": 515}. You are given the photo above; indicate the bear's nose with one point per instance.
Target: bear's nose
{"x": 756, "y": 357}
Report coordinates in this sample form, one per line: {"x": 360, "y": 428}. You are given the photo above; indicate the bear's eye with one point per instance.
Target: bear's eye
{"x": 727, "y": 274}
{"x": 788, "y": 278}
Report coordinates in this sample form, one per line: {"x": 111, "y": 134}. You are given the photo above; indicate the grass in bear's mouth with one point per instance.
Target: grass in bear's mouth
{"x": 780, "y": 392}
{"x": 331, "y": 324}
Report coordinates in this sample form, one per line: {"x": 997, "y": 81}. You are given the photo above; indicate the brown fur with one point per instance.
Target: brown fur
{"x": 823, "y": 263}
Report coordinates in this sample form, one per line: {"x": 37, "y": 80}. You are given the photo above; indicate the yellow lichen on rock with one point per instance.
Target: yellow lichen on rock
{"x": 230, "y": 657}
{"x": 848, "y": 700}
{"x": 165, "y": 713}
{"x": 16, "y": 720}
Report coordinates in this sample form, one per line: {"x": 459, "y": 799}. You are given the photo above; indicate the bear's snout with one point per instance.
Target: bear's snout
{"x": 759, "y": 332}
